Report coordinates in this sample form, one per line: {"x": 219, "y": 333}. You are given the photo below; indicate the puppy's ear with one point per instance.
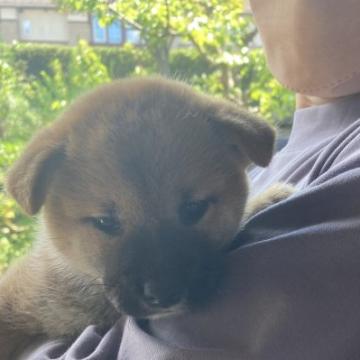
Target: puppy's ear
{"x": 29, "y": 178}
{"x": 243, "y": 131}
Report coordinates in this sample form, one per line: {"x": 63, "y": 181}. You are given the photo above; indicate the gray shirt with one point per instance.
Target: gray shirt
{"x": 293, "y": 286}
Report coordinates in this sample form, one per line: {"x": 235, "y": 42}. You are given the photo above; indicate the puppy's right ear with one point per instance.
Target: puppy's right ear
{"x": 29, "y": 178}
{"x": 241, "y": 130}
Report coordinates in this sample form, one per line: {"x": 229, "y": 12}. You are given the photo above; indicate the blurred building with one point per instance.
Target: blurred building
{"x": 41, "y": 21}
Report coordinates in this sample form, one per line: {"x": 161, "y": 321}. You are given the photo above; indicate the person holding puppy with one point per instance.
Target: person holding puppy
{"x": 293, "y": 284}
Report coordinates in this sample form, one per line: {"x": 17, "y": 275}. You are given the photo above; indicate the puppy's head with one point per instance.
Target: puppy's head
{"x": 142, "y": 184}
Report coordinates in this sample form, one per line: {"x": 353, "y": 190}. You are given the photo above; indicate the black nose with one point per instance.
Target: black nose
{"x": 156, "y": 297}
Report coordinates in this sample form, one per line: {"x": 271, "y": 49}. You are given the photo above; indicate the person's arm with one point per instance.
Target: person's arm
{"x": 92, "y": 344}
{"x": 292, "y": 291}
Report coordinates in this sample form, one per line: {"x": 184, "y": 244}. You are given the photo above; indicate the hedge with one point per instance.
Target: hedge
{"x": 120, "y": 61}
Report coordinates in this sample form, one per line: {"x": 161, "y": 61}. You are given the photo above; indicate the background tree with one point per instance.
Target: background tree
{"x": 219, "y": 30}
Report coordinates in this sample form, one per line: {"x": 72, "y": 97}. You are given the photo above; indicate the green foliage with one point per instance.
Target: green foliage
{"x": 186, "y": 63}
{"x": 16, "y": 229}
{"x": 13, "y": 103}
{"x": 54, "y": 90}
{"x": 125, "y": 61}
{"x": 34, "y": 59}
{"x": 215, "y": 27}
{"x": 28, "y": 102}
{"x": 15, "y": 232}
{"x": 261, "y": 92}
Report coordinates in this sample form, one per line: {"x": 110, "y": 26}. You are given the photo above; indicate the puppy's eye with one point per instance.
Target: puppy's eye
{"x": 191, "y": 212}
{"x": 107, "y": 224}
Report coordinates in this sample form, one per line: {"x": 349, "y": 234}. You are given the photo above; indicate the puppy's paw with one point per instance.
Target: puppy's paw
{"x": 272, "y": 195}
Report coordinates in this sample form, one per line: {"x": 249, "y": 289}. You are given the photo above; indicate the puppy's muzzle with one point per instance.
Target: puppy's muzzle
{"x": 155, "y": 297}
{"x": 165, "y": 270}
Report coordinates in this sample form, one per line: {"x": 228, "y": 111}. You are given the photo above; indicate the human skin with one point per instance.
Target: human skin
{"x": 304, "y": 101}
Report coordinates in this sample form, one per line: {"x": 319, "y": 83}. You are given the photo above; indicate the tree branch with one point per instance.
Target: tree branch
{"x": 168, "y": 25}
{"x": 198, "y": 48}
{"x": 134, "y": 24}
{"x": 250, "y": 36}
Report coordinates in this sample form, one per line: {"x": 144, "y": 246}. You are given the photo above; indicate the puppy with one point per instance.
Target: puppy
{"x": 142, "y": 186}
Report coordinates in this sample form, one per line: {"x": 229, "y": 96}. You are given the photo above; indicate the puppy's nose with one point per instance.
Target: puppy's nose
{"x": 157, "y": 298}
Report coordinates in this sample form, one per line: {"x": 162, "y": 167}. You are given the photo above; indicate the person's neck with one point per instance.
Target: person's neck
{"x": 304, "y": 101}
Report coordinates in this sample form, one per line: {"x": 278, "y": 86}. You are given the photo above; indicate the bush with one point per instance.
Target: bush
{"x": 263, "y": 94}
{"x": 13, "y": 104}
{"x": 55, "y": 89}
{"x": 36, "y": 59}
{"x": 16, "y": 229}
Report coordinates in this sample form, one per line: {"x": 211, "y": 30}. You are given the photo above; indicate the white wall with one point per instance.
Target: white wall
{"x": 43, "y": 25}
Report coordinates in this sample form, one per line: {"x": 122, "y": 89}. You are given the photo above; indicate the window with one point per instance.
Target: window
{"x": 26, "y": 29}
{"x": 99, "y": 33}
{"x": 8, "y": 14}
{"x": 132, "y": 35}
{"x": 115, "y": 33}
{"x": 111, "y": 34}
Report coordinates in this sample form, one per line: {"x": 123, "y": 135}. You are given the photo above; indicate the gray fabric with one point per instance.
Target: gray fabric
{"x": 90, "y": 345}
{"x": 293, "y": 284}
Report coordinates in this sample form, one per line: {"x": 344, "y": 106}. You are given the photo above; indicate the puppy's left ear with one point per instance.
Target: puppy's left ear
{"x": 243, "y": 131}
{"x": 29, "y": 178}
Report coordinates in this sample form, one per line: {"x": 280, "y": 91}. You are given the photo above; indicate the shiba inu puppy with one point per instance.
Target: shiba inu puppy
{"x": 142, "y": 185}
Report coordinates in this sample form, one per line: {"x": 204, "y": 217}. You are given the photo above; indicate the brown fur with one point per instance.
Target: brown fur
{"x": 138, "y": 149}
{"x": 272, "y": 195}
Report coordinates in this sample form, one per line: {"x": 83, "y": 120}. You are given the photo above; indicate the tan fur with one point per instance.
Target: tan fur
{"x": 272, "y": 195}
{"x": 137, "y": 146}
